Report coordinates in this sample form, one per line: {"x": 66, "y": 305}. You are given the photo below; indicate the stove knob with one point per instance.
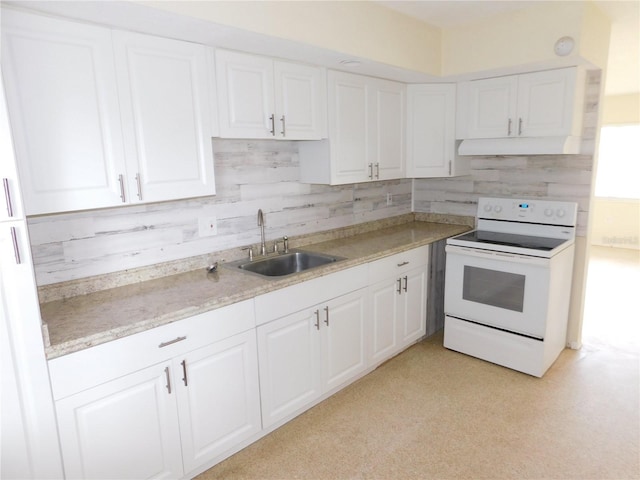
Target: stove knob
{"x": 487, "y": 208}
{"x": 548, "y": 212}
{"x": 560, "y": 213}
{"x": 498, "y": 209}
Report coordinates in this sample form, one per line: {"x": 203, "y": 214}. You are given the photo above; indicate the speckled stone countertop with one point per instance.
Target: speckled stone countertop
{"x": 82, "y": 321}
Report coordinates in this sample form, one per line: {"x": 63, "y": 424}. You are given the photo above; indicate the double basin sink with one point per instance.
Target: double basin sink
{"x": 283, "y": 264}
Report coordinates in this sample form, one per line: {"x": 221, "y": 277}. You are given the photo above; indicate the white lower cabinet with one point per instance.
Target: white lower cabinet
{"x": 398, "y": 302}
{"x": 126, "y": 428}
{"x": 167, "y": 419}
{"x": 311, "y": 352}
{"x": 218, "y": 398}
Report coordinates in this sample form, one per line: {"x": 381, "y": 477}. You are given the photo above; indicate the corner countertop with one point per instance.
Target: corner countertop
{"x": 83, "y": 321}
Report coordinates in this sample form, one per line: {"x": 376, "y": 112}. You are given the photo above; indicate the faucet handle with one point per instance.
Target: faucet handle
{"x": 285, "y": 241}
{"x": 250, "y": 248}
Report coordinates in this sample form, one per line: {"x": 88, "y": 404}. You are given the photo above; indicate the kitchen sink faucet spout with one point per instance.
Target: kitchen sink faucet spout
{"x": 263, "y": 243}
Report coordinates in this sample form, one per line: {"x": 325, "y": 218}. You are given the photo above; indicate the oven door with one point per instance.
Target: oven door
{"x": 502, "y": 290}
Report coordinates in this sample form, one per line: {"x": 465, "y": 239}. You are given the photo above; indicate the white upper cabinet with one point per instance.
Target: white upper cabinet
{"x": 63, "y": 103}
{"x": 102, "y": 118}
{"x": 540, "y": 104}
{"x": 11, "y": 204}
{"x": 366, "y": 133}
{"x": 167, "y": 120}
{"x": 431, "y": 132}
{"x": 390, "y": 120}
{"x": 264, "y": 98}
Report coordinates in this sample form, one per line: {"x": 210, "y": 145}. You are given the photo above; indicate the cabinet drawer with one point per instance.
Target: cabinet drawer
{"x": 87, "y": 368}
{"x": 397, "y": 264}
{"x": 303, "y": 295}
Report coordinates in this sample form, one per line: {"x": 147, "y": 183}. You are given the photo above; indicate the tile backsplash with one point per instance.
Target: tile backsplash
{"x": 249, "y": 175}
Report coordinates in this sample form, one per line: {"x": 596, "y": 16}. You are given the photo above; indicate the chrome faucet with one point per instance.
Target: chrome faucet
{"x": 263, "y": 243}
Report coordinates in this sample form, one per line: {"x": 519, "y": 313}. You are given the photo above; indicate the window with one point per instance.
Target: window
{"x": 619, "y": 162}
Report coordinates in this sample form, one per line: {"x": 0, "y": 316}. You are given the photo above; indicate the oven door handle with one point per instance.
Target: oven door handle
{"x": 499, "y": 256}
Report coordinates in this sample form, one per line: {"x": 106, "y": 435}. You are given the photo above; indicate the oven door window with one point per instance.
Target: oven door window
{"x": 495, "y": 288}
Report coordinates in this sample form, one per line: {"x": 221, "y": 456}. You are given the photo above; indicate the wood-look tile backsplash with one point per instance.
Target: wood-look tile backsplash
{"x": 249, "y": 175}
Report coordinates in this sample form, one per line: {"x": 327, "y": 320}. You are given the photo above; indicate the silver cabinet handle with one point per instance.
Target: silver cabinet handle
{"x": 520, "y": 126}
{"x": 317, "y": 324}
{"x": 371, "y": 171}
{"x": 272, "y": 119}
{"x": 284, "y": 131}
{"x": 171, "y": 342}
{"x": 406, "y": 283}
{"x": 184, "y": 372}
{"x": 168, "y": 375}
{"x": 121, "y": 181}
{"x": 399, "y": 286}
{"x": 377, "y": 170}
{"x": 403, "y": 264}
{"x": 326, "y": 317}
{"x": 7, "y": 196}
{"x": 139, "y": 184}
{"x": 16, "y": 247}
{"x": 509, "y": 128}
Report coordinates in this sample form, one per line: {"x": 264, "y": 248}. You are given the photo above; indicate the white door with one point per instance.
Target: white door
{"x": 545, "y": 102}
{"x": 491, "y": 112}
{"x": 384, "y": 317}
{"x": 289, "y": 360}
{"x": 165, "y": 97}
{"x": 11, "y": 202}
{"x": 389, "y": 119}
{"x": 352, "y": 142}
{"x": 64, "y": 110}
{"x": 245, "y": 95}
{"x": 430, "y": 130}
{"x": 343, "y": 345}
{"x": 126, "y": 428}
{"x": 219, "y": 397}
{"x": 300, "y": 99}
{"x": 29, "y": 439}
{"x": 413, "y": 306}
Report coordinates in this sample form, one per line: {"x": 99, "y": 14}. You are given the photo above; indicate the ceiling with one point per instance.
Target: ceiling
{"x": 624, "y": 56}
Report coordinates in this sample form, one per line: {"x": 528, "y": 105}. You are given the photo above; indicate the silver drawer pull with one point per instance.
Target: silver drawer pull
{"x": 171, "y": 342}
{"x": 168, "y": 375}
{"x": 184, "y": 372}
{"x": 403, "y": 264}
{"x": 7, "y": 196}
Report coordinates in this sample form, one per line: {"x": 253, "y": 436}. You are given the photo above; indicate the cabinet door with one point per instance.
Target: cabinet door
{"x": 164, "y": 90}
{"x": 389, "y": 119}
{"x": 289, "y": 359}
{"x": 430, "y": 130}
{"x": 545, "y": 103}
{"x": 384, "y": 317}
{"x": 219, "y": 397}
{"x": 352, "y": 142}
{"x": 11, "y": 202}
{"x": 300, "y": 99}
{"x": 245, "y": 95}
{"x": 491, "y": 112}
{"x": 63, "y": 106}
{"x": 28, "y": 432}
{"x": 413, "y": 306}
{"x": 343, "y": 345}
{"x": 126, "y": 428}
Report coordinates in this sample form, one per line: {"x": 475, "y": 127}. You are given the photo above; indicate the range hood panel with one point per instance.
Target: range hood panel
{"x": 520, "y": 146}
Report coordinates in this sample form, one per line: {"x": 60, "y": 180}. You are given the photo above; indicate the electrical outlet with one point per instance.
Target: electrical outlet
{"x": 208, "y": 226}
{"x": 389, "y": 199}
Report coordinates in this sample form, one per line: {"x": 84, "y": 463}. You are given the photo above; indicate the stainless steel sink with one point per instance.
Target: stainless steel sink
{"x": 285, "y": 264}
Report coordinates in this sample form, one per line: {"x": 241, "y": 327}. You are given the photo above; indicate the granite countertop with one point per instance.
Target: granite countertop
{"x": 82, "y": 321}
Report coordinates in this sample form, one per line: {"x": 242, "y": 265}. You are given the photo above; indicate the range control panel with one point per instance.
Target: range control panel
{"x": 528, "y": 210}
